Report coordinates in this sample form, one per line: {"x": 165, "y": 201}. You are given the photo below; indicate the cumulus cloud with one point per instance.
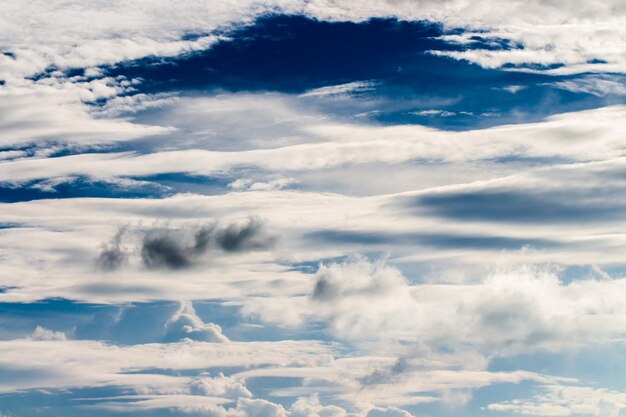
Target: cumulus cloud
{"x": 388, "y": 412}
{"x": 41, "y": 333}
{"x": 312, "y": 407}
{"x": 515, "y": 310}
{"x": 219, "y": 386}
{"x": 259, "y": 408}
{"x": 186, "y": 324}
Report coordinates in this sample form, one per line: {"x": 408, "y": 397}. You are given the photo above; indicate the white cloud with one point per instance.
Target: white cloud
{"x": 365, "y": 383}
{"x": 47, "y": 114}
{"x": 563, "y": 400}
{"x": 341, "y": 89}
{"x": 434, "y": 112}
{"x": 186, "y": 325}
{"x": 510, "y": 312}
{"x": 259, "y": 408}
{"x": 569, "y": 32}
{"x": 596, "y": 85}
{"x": 134, "y": 103}
{"x": 41, "y": 333}
{"x": 582, "y": 136}
{"x": 56, "y": 364}
{"x": 220, "y": 386}
{"x": 311, "y": 407}
{"x": 513, "y": 89}
{"x": 247, "y": 184}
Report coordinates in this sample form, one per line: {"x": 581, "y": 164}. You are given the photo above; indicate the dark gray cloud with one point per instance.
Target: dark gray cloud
{"x": 112, "y": 256}
{"x": 238, "y": 238}
{"x": 164, "y": 249}
{"x": 324, "y": 290}
{"x": 178, "y": 249}
{"x": 387, "y": 374}
{"x": 172, "y": 248}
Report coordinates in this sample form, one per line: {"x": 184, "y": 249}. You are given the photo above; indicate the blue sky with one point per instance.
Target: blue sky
{"x": 312, "y": 209}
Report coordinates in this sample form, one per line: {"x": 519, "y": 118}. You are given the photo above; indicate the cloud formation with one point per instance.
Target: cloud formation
{"x": 186, "y": 325}
{"x": 180, "y": 248}
{"x": 503, "y": 242}
{"x": 509, "y": 312}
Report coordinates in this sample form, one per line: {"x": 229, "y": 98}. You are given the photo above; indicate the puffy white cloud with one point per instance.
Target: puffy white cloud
{"x": 510, "y": 312}
{"x": 220, "y": 386}
{"x": 311, "y": 407}
{"x": 259, "y": 408}
{"x": 41, "y": 333}
{"x": 186, "y": 325}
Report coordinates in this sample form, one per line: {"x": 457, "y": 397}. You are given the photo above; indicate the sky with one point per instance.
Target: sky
{"x": 312, "y": 208}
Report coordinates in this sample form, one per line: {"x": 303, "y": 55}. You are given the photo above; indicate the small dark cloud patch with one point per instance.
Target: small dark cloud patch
{"x": 180, "y": 248}
{"x": 238, "y": 238}
{"x": 388, "y": 373}
{"x": 164, "y": 250}
{"x": 324, "y": 290}
{"x": 112, "y": 256}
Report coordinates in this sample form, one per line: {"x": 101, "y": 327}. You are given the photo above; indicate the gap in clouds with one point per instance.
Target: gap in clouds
{"x": 405, "y": 83}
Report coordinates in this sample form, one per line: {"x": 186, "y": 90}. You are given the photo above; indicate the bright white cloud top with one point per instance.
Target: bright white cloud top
{"x": 298, "y": 209}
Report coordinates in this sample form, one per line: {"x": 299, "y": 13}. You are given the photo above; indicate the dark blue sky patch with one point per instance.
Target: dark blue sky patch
{"x": 294, "y": 54}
